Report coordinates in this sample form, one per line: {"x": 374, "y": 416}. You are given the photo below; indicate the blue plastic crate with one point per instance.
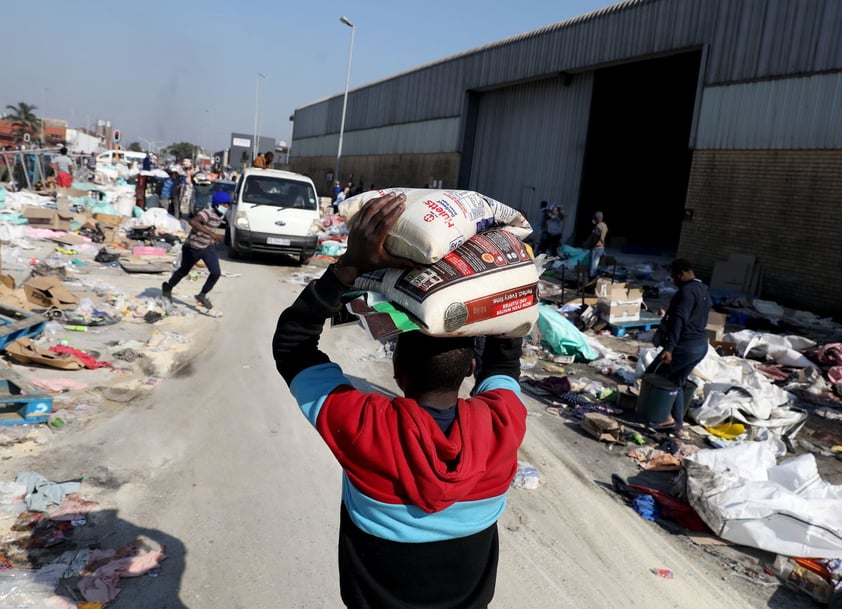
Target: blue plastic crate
{"x": 16, "y": 323}
{"x": 22, "y": 402}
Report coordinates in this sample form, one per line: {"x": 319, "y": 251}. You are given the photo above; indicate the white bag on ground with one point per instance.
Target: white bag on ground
{"x": 436, "y": 222}
{"x": 487, "y": 286}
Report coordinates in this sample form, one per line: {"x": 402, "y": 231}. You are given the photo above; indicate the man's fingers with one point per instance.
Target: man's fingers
{"x": 379, "y": 215}
{"x": 381, "y": 205}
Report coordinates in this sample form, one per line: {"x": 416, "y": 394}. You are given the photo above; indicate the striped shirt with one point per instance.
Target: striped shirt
{"x": 212, "y": 220}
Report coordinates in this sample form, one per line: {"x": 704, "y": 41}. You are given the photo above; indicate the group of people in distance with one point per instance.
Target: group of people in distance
{"x": 552, "y": 231}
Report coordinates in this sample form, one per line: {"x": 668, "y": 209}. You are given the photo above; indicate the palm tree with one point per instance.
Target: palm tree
{"x": 23, "y": 118}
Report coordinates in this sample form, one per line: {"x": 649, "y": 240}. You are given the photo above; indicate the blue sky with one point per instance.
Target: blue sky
{"x": 184, "y": 70}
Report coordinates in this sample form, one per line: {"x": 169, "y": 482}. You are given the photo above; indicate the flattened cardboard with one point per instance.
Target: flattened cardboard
{"x": 14, "y": 297}
{"x": 49, "y": 291}
{"x": 70, "y": 239}
{"x": 24, "y": 351}
{"x": 109, "y": 219}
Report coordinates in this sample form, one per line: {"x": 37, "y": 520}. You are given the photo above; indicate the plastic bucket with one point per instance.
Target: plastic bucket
{"x": 657, "y": 395}
{"x": 689, "y": 390}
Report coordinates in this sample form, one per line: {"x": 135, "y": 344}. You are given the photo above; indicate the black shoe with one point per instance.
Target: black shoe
{"x": 203, "y": 300}
{"x": 166, "y": 291}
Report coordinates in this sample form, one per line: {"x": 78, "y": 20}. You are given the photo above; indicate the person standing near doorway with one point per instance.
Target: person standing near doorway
{"x": 596, "y": 243}
{"x": 555, "y": 229}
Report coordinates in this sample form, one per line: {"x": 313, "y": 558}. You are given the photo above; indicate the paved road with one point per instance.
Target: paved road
{"x": 220, "y": 467}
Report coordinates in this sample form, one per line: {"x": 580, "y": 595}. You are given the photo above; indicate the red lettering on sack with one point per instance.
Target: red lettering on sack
{"x": 502, "y": 303}
{"x": 437, "y": 210}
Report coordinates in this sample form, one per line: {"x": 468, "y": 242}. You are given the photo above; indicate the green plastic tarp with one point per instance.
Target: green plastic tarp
{"x": 561, "y": 337}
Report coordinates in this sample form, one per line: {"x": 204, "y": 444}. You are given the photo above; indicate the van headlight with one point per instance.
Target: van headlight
{"x": 241, "y": 221}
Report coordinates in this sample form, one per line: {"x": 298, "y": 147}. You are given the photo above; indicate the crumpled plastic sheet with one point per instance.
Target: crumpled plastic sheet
{"x": 778, "y": 348}
{"x": 561, "y": 336}
{"x": 32, "y": 588}
{"x": 746, "y": 497}
{"x": 160, "y": 219}
{"x": 526, "y": 477}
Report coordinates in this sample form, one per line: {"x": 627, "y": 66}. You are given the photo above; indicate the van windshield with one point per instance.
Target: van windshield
{"x": 279, "y": 192}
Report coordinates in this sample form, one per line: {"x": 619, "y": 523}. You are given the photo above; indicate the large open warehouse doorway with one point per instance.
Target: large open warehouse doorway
{"x": 637, "y": 155}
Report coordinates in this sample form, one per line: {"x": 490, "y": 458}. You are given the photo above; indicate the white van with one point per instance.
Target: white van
{"x": 273, "y": 212}
{"x": 109, "y": 157}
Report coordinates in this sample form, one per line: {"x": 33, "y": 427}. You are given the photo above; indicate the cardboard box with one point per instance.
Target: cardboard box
{"x": 49, "y": 291}
{"x": 109, "y": 219}
{"x": 716, "y": 326}
{"x": 617, "y": 301}
{"x": 616, "y": 291}
{"x": 45, "y": 217}
{"x": 40, "y": 217}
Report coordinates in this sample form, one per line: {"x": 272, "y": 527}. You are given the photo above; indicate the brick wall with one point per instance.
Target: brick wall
{"x": 785, "y": 207}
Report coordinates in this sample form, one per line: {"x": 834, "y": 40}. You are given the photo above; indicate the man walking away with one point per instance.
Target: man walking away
{"x": 425, "y": 476}
{"x": 63, "y": 166}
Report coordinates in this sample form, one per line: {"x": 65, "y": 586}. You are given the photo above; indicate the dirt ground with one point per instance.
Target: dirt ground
{"x": 217, "y": 463}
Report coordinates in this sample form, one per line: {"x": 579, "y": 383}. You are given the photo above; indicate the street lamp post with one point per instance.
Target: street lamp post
{"x": 43, "y": 134}
{"x": 256, "y": 110}
{"x": 347, "y": 22}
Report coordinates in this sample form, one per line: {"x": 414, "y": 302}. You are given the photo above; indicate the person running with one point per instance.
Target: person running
{"x": 201, "y": 245}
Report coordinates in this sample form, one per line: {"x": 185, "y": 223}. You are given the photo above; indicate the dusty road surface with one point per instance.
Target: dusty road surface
{"x": 219, "y": 465}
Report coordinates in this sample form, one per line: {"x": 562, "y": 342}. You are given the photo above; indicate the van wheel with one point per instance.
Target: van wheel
{"x": 304, "y": 258}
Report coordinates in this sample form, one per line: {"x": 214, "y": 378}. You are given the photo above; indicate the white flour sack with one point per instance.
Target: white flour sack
{"x": 436, "y": 222}
{"x": 486, "y": 286}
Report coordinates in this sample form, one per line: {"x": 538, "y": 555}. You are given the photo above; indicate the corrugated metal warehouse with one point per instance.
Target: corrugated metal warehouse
{"x": 703, "y": 129}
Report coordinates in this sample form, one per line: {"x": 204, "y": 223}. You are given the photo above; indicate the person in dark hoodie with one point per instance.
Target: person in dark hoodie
{"x": 683, "y": 338}
{"x": 425, "y": 476}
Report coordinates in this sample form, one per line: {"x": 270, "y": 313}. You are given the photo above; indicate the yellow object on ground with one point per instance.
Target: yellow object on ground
{"x": 729, "y": 430}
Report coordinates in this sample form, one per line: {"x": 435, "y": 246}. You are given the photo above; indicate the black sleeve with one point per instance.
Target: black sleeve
{"x": 501, "y": 356}
{"x": 295, "y": 345}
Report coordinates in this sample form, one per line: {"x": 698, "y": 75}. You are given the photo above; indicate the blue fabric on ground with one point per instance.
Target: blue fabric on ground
{"x": 645, "y": 506}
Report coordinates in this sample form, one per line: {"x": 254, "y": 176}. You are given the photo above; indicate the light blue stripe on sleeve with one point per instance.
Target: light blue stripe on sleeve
{"x": 498, "y": 381}
{"x": 311, "y": 386}
{"x": 410, "y": 524}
